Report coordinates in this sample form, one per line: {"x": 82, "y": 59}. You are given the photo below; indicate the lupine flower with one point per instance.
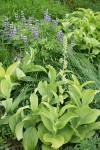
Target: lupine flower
{"x": 35, "y": 33}
{"x": 11, "y": 26}
{"x": 37, "y": 23}
{"x": 30, "y": 20}
{"x": 24, "y": 38}
{"x": 47, "y": 17}
{"x": 16, "y": 58}
{"x": 16, "y": 17}
{"x": 30, "y": 25}
{"x": 57, "y": 19}
{"x": 2, "y": 32}
{"x": 18, "y": 28}
{"x": 23, "y": 19}
{"x": 6, "y": 24}
{"x": 14, "y": 32}
{"x": 60, "y": 35}
{"x": 26, "y": 25}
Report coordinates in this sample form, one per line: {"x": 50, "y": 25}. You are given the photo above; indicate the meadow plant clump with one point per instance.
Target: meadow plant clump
{"x": 43, "y": 35}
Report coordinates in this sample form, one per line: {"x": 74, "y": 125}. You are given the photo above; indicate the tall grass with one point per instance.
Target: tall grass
{"x": 34, "y": 8}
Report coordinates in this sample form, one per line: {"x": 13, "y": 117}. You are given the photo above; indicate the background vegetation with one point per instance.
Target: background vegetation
{"x": 48, "y": 43}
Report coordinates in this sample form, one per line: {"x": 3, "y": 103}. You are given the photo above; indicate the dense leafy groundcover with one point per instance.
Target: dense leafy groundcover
{"x": 49, "y": 77}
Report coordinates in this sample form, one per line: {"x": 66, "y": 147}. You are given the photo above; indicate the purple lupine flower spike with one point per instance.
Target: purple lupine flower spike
{"x": 16, "y": 17}
{"x": 60, "y": 35}
{"x": 24, "y": 39}
{"x": 47, "y": 17}
{"x": 35, "y": 33}
{"x": 23, "y": 19}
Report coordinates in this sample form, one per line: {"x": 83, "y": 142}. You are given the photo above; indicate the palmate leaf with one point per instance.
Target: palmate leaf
{"x": 56, "y": 140}
{"x": 30, "y": 138}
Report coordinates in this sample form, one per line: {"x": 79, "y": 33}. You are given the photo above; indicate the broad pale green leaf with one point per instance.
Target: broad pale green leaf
{"x": 75, "y": 80}
{"x": 86, "y": 115}
{"x": 82, "y": 133}
{"x": 21, "y": 109}
{"x": 42, "y": 88}
{"x": 34, "y": 102}
{"x": 28, "y": 79}
{"x": 8, "y": 104}
{"x": 47, "y": 123}
{"x": 13, "y": 122}
{"x": 11, "y": 68}
{"x": 75, "y": 99}
{"x": 19, "y": 130}
{"x": 19, "y": 73}
{"x": 4, "y": 121}
{"x": 63, "y": 109}
{"x": 88, "y": 96}
{"x": 46, "y": 89}
{"x": 46, "y": 147}
{"x": 96, "y": 51}
{"x": 30, "y": 138}
{"x": 19, "y": 127}
{"x": 41, "y": 131}
{"x": 22, "y": 96}
{"x": 39, "y": 68}
{"x": 56, "y": 140}
{"x": 85, "y": 83}
{"x": 2, "y": 71}
{"x": 67, "y": 132}
{"x": 94, "y": 126}
{"x": 63, "y": 120}
{"x": 52, "y": 73}
{"x": 91, "y": 41}
{"x": 6, "y": 88}
{"x": 77, "y": 90}
{"x": 53, "y": 110}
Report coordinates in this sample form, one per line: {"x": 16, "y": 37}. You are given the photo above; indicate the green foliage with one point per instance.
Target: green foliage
{"x": 89, "y": 144}
{"x": 58, "y": 112}
{"x": 45, "y": 44}
{"x": 32, "y": 8}
{"x": 74, "y": 4}
{"x": 82, "y": 30}
{"x": 85, "y": 70}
